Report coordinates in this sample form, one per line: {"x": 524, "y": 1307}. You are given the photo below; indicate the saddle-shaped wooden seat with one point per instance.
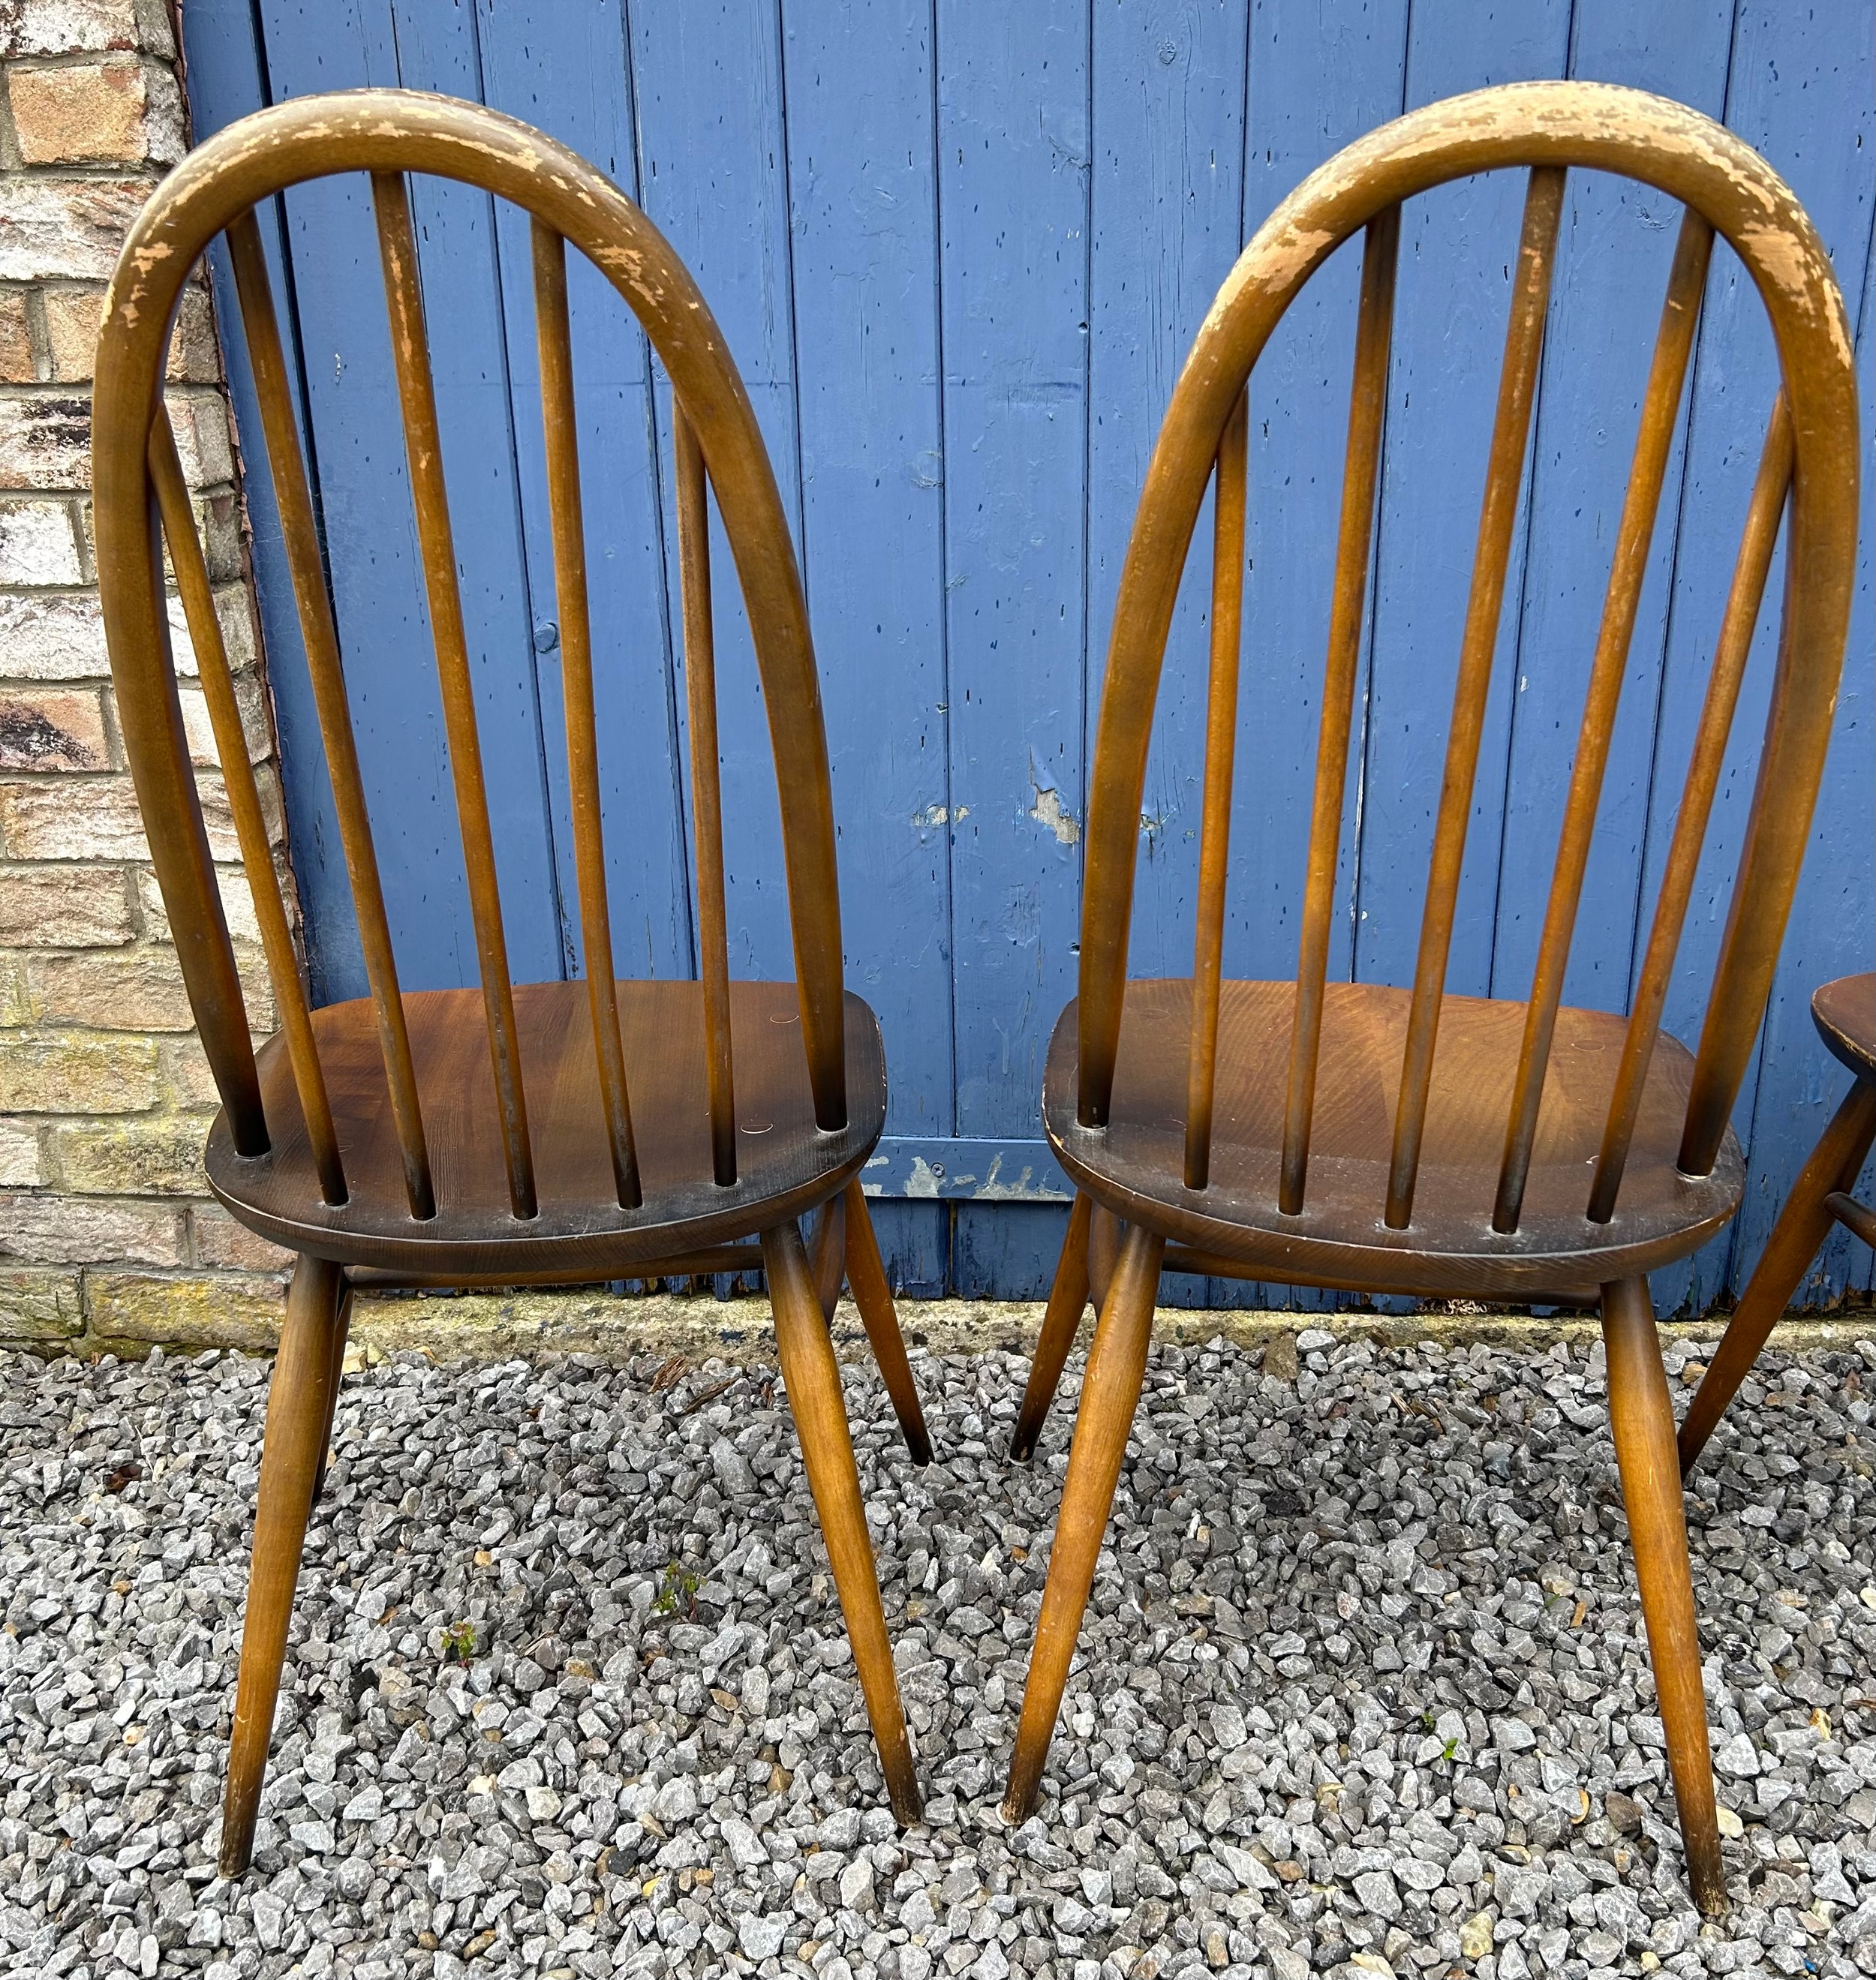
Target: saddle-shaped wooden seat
{"x": 1340, "y": 1238}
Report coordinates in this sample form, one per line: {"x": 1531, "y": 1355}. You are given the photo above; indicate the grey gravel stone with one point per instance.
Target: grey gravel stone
{"x": 1363, "y": 1686}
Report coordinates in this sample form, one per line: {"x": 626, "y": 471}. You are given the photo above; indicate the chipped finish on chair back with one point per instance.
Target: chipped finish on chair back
{"x": 139, "y": 488}
{"x": 1811, "y": 451}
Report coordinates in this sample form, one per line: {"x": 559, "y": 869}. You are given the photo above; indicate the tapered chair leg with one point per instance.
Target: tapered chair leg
{"x": 1104, "y": 1233}
{"x": 1068, "y": 1298}
{"x": 341, "y": 1333}
{"x": 866, "y": 1278}
{"x": 811, "y": 1377}
{"x": 1110, "y": 1392}
{"x": 1803, "y": 1225}
{"x": 298, "y": 1410}
{"x": 1642, "y": 1419}
{"x": 830, "y": 1254}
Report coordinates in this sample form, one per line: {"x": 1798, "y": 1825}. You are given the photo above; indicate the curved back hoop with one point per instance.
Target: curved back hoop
{"x": 138, "y": 487}
{"x": 1811, "y": 447}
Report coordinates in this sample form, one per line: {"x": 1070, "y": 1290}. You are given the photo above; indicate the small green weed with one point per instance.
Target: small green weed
{"x": 679, "y": 1593}
{"x": 459, "y": 1644}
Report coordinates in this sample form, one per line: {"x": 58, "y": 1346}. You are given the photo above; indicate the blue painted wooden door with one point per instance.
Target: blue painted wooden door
{"x": 958, "y": 258}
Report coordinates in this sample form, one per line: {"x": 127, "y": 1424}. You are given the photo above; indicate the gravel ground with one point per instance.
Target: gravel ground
{"x": 1364, "y": 1687}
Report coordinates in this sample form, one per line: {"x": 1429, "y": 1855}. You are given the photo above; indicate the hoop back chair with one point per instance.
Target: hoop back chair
{"x": 551, "y": 1132}
{"x": 1355, "y": 1136}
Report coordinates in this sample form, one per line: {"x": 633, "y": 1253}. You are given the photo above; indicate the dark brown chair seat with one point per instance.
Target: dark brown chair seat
{"x": 1134, "y": 1166}
{"x": 785, "y": 1167}
{"x": 1844, "y": 1013}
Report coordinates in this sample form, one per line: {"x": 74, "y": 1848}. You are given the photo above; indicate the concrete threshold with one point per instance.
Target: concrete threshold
{"x": 494, "y": 1325}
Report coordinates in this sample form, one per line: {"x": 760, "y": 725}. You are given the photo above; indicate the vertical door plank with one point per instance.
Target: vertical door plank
{"x": 1799, "y": 92}
{"x": 227, "y": 80}
{"x": 383, "y": 628}
{"x": 863, "y": 167}
{"x": 1013, "y": 148}
{"x": 1320, "y": 78}
{"x": 1166, "y": 226}
{"x": 1458, "y": 256}
{"x": 1618, "y": 240}
{"x": 713, "y": 174}
{"x": 565, "y": 69}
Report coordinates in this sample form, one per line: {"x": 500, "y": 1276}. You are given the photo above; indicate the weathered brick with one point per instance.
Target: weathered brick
{"x": 17, "y": 367}
{"x": 61, "y": 229}
{"x": 72, "y": 1230}
{"x": 64, "y": 1072}
{"x": 19, "y": 1154}
{"x": 96, "y": 818}
{"x": 187, "y": 1080}
{"x": 41, "y": 1305}
{"x": 16, "y": 1004}
{"x": 45, "y": 441}
{"x": 37, "y": 546}
{"x": 68, "y": 27}
{"x": 220, "y": 1240}
{"x": 231, "y": 1312}
{"x": 122, "y": 989}
{"x": 236, "y": 905}
{"x": 251, "y": 699}
{"x": 63, "y": 907}
{"x": 60, "y": 635}
{"x": 135, "y": 1157}
{"x": 53, "y": 728}
{"x": 120, "y": 110}
{"x": 71, "y": 319}
{"x": 200, "y": 421}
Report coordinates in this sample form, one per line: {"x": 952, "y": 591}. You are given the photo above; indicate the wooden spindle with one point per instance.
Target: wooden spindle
{"x": 554, "y": 332}
{"x": 283, "y": 966}
{"x": 1221, "y": 741}
{"x": 1524, "y": 343}
{"x": 1674, "y": 346}
{"x": 422, "y": 448}
{"x": 300, "y": 533}
{"x": 706, "y": 789}
{"x": 1367, "y": 403}
{"x": 1750, "y": 569}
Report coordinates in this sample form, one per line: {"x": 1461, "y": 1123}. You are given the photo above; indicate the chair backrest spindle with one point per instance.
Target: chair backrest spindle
{"x": 1524, "y": 343}
{"x": 554, "y": 335}
{"x": 706, "y": 789}
{"x": 1745, "y": 595}
{"x": 423, "y": 449}
{"x": 300, "y": 533}
{"x": 1221, "y": 736}
{"x": 1674, "y": 346}
{"x": 257, "y": 852}
{"x": 1361, "y": 476}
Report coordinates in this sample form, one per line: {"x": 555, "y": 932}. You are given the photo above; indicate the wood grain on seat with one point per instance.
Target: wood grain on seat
{"x": 785, "y": 1165}
{"x": 1339, "y": 1239}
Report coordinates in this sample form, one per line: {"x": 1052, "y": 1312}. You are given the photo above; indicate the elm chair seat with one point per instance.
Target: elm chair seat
{"x": 786, "y": 1166}
{"x": 1339, "y": 1238}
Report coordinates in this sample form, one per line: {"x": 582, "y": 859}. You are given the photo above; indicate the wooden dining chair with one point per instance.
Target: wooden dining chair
{"x": 551, "y": 1133}
{"x": 1382, "y": 1140}
{"x": 1844, "y": 1013}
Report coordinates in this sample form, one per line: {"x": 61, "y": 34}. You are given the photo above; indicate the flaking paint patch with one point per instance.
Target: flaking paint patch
{"x": 1048, "y": 810}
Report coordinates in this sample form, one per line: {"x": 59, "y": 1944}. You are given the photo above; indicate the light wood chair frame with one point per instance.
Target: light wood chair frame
{"x": 142, "y": 499}
{"x": 1120, "y": 1237}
